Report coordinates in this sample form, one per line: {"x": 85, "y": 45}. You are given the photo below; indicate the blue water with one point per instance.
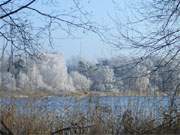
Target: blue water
{"x": 60, "y": 105}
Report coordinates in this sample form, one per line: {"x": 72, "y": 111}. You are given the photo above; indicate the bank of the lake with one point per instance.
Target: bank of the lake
{"x": 120, "y": 115}
{"x": 45, "y": 93}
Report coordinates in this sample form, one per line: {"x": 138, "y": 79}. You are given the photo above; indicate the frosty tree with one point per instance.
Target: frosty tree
{"x": 80, "y": 81}
{"x": 103, "y": 78}
{"x": 153, "y": 30}
{"x": 22, "y": 29}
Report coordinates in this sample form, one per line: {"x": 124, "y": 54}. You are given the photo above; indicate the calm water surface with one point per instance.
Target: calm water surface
{"x": 60, "y": 105}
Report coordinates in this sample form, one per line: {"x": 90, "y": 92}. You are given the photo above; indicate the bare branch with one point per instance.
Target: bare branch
{"x": 6, "y": 2}
{"x": 17, "y": 10}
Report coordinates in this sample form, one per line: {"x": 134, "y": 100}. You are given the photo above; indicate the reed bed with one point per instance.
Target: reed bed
{"x": 96, "y": 120}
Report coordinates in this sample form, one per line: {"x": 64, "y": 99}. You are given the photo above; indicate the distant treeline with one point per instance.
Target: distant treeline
{"x": 127, "y": 74}
{"x": 50, "y": 72}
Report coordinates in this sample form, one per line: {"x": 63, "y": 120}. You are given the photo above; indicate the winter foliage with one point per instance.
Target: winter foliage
{"x": 50, "y": 72}
{"x": 46, "y": 73}
{"x": 80, "y": 82}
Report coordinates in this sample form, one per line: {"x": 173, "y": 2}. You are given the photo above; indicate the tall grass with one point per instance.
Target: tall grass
{"x": 96, "y": 120}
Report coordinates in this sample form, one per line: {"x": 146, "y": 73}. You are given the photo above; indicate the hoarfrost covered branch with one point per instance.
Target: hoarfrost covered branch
{"x": 47, "y": 73}
{"x": 50, "y": 73}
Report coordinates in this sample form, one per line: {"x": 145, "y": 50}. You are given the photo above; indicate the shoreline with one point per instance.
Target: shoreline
{"x": 79, "y": 94}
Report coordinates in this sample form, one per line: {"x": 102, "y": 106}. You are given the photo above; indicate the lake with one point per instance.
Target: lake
{"x": 144, "y": 106}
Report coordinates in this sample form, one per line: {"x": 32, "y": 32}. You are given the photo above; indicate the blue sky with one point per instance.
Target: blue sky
{"x": 88, "y": 45}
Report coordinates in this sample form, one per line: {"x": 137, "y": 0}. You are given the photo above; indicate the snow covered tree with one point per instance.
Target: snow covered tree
{"x": 103, "y": 79}
{"x": 54, "y": 72}
{"x": 80, "y": 81}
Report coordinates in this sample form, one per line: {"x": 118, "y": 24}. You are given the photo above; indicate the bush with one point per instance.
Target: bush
{"x": 80, "y": 81}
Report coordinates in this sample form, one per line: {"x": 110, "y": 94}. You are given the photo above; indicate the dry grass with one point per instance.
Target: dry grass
{"x": 98, "y": 120}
